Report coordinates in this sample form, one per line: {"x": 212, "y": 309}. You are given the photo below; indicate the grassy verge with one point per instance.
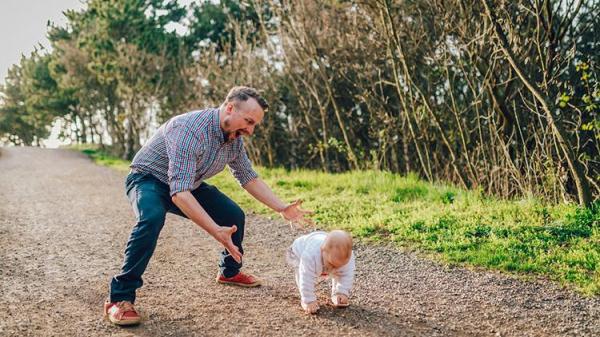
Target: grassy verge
{"x": 527, "y": 237}
{"x": 102, "y": 157}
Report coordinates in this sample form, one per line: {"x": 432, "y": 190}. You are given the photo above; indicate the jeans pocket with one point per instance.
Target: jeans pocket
{"x": 132, "y": 179}
{"x": 128, "y": 183}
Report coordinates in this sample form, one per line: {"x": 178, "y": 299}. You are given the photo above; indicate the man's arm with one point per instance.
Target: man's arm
{"x": 263, "y": 193}
{"x": 184, "y": 148}
{"x": 194, "y": 211}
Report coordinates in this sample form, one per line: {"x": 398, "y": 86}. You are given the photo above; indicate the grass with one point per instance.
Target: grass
{"x": 524, "y": 237}
{"x": 101, "y": 157}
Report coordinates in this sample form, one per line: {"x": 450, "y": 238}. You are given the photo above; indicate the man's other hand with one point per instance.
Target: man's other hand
{"x": 223, "y": 235}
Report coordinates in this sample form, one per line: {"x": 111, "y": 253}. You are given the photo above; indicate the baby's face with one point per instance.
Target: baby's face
{"x": 332, "y": 262}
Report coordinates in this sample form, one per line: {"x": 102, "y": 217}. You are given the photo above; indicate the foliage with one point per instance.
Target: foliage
{"x": 406, "y": 86}
{"x": 31, "y": 100}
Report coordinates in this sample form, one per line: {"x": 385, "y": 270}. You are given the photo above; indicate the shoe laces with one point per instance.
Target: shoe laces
{"x": 125, "y": 306}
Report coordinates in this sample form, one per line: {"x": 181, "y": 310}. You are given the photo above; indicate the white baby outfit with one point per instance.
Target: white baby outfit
{"x": 305, "y": 256}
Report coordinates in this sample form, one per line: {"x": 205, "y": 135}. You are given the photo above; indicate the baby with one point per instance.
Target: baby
{"x": 323, "y": 254}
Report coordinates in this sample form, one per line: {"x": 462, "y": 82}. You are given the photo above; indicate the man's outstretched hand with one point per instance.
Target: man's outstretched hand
{"x": 223, "y": 235}
{"x": 296, "y": 215}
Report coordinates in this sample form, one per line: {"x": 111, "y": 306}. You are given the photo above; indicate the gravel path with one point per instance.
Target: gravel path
{"x": 64, "y": 222}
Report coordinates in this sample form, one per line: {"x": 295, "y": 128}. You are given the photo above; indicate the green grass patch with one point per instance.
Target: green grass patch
{"x": 527, "y": 237}
{"x": 101, "y": 156}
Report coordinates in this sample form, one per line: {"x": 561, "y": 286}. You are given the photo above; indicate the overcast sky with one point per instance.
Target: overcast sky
{"x": 23, "y": 26}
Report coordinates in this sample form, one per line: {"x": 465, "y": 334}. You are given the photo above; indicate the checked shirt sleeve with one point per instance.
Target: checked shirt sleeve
{"x": 241, "y": 168}
{"x": 184, "y": 148}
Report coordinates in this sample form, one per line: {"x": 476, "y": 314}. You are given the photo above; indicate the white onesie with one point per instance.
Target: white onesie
{"x": 305, "y": 256}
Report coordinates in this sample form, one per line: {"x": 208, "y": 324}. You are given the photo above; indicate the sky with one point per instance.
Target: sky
{"x": 23, "y": 26}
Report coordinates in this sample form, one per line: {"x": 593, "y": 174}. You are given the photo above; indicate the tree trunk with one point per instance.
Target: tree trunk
{"x": 583, "y": 189}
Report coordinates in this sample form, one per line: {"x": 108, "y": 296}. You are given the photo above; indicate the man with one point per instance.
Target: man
{"x": 167, "y": 175}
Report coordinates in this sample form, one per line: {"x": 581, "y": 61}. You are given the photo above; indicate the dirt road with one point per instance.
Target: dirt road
{"x": 64, "y": 223}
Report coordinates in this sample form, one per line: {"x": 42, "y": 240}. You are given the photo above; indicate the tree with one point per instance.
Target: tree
{"x": 31, "y": 100}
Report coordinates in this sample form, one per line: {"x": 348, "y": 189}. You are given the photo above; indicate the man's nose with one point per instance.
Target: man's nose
{"x": 250, "y": 129}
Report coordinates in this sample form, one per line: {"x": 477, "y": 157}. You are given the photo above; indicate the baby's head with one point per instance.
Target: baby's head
{"x": 336, "y": 250}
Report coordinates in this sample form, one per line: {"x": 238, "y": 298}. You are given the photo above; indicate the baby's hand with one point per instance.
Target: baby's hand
{"x": 310, "y": 308}
{"x": 340, "y": 300}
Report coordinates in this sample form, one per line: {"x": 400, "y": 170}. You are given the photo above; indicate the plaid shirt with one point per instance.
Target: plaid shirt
{"x": 190, "y": 148}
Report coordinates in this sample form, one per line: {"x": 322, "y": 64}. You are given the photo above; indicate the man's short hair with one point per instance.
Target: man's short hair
{"x": 241, "y": 94}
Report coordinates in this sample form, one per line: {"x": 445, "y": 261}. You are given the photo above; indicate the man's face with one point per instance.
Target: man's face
{"x": 241, "y": 118}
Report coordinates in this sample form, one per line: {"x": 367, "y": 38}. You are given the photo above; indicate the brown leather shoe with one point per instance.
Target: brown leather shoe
{"x": 121, "y": 313}
{"x": 240, "y": 279}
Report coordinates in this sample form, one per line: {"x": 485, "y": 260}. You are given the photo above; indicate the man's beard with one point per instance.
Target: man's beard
{"x": 232, "y": 135}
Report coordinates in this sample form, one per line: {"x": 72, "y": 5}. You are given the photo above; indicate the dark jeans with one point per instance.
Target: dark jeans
{"x": 151, "y": 201}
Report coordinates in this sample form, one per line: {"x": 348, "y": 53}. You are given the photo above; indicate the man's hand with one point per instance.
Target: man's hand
{"x": 193, "y": 210}
{"x": 292, "y": 212}
{"x": 340, "y": 300}
{"x": 223, "y": 235}
{"x": 310, "y": 308}
{"x": 295, "y": 215}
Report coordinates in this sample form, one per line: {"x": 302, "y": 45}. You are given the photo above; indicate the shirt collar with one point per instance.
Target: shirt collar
{"x": 216, "y": 130}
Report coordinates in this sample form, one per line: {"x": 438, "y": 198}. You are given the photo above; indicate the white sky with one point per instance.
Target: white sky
{"x": 23, "y": 26}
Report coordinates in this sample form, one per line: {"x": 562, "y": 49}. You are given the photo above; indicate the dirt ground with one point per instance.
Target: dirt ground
{"x": 64, "y": 223}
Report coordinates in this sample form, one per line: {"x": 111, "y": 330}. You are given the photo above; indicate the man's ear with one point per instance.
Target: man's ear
{"x": 229, "y": 108}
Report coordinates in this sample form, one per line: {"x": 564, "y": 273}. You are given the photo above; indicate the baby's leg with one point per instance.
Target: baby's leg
{"x": 292, "y": 261}
{"x": 297, "y": 277}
